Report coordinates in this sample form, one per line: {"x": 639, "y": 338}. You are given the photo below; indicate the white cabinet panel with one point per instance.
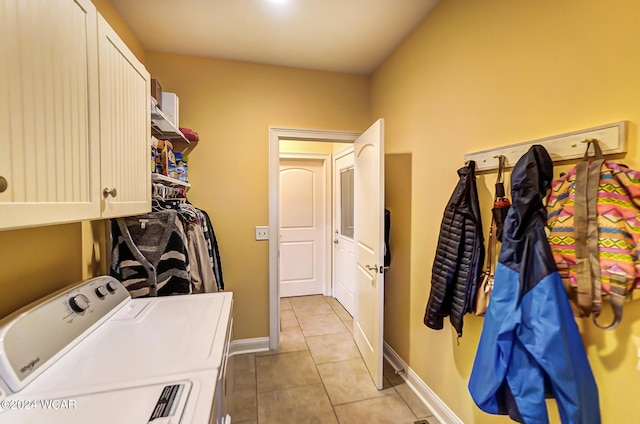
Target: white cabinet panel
{"x": 74, "y": 117}
{"x": 125, "y": 131}
{"x": 48, "y": 112}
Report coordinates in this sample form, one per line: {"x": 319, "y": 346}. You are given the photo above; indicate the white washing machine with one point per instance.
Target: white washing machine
{"x": 93, "y": 344}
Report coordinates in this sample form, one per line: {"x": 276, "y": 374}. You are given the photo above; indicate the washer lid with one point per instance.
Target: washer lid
{"x": 147, "y": 337}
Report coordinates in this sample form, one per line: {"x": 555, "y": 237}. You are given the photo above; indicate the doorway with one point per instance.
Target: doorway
{"x": 369, "y": 231}
{"x": 277, "y": 134}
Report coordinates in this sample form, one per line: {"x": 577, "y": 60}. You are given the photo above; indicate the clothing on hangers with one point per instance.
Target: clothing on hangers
{"x": 212, "y": 246}
{"x": 202, "y": 277}
{"x": 150, "y": 254}
{"x": 137, "y": 237}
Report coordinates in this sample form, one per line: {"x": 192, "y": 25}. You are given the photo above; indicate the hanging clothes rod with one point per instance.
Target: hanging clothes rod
{"x": 611, "y": 137}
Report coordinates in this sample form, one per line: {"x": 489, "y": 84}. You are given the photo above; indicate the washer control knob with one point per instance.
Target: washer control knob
{"x": 112, "y": 286}
{"x": 79, "y": 303}
{"x": 101, "y": 291}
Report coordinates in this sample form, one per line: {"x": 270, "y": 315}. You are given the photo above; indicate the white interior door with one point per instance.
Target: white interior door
{"x": 369, "y": 236}
{"x": 302, "y": 227}
{"x": 344, "y": 246}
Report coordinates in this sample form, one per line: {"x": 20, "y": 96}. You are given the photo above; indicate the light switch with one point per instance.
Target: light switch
{"x": 262, "y": 232}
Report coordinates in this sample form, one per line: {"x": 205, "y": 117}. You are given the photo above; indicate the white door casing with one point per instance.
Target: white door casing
{"x": 369, "y": 235}
{"x": 303, "y": 226}
{"x": 344, "y": 250}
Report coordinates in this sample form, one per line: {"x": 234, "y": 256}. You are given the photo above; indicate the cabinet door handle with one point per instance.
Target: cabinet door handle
{"x": 3, "y": 184}
{"x": 106, "y": 192}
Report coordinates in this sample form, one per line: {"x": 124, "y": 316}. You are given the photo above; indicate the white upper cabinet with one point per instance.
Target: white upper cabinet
{"x": 125, "y": 127}
{"x": 49, "y": 140}
{"x": 74, "y": 117}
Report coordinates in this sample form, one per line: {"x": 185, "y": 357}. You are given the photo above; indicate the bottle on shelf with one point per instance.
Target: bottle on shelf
{"x": 181, "y": 167}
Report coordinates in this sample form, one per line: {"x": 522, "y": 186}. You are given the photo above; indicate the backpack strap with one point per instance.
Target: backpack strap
{"x": 616, "y": 299}
{"x": 589, "y": 298}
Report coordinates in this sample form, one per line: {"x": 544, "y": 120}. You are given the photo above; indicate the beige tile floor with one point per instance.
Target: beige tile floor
{"x": 317, "y": 376}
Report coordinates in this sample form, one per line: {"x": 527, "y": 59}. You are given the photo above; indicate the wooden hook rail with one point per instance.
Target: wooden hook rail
{"x": 612, "y": 139}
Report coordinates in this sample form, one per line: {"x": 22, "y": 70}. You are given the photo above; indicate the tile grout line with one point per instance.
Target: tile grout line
{"x": 333, "y": 406}
{"x": 333, "y": 409}
{"x": 389, "y": 382}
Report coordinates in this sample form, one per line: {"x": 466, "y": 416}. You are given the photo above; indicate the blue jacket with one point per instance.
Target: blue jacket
{"x": 530, "y": 347}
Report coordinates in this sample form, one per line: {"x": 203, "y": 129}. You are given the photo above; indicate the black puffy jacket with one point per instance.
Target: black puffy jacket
{"x": 459, "y": 256}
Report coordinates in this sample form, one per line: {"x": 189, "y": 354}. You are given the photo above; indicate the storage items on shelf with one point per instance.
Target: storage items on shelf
{"x": 166, "y": 159}
{"x": 190, "y": 134}
{"x": 181, "y": 167}
{"x": 170, "y": 106}
{"x": 156, "y": 92}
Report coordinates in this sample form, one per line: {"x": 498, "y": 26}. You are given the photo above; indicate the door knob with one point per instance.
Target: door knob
{"x": 335, "y": 241}
{"x": 106, "y": 192}
{"x": 3, "y": 184}
{"x": 372, "y": 267}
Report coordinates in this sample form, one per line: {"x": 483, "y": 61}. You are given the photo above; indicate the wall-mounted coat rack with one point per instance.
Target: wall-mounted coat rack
{"x": 611, "y": 137}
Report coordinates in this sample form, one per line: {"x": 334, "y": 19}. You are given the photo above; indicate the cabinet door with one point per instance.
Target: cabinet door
{"x": 125, "y": 127}
{"x": 49, "y": 139}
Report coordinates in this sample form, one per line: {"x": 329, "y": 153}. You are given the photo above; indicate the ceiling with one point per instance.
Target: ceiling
{"x": 352, "y": 36}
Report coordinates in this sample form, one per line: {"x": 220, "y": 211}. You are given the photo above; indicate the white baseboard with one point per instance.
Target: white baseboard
{"x": 259, "y": 344}
{"x": 440, "y": 410}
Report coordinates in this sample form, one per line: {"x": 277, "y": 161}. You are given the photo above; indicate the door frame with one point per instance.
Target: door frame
{"x": 327, "y": 167}
{"x": 275, "y": 135}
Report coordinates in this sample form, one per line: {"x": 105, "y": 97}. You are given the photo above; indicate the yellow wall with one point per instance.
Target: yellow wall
{"x": 110, "y": 14}
{"x": 480, "y": 74}
{"x": 294, "y": 146}
{"x": 397, "y": 279}
{"x": 231, "y": 105}
{"x": 36, "y": 262}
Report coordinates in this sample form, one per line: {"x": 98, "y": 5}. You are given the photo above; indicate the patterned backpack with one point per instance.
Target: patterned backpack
{"x": 594, "y": 222}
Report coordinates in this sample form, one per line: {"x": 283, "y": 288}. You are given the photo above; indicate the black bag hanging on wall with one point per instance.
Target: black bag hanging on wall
{"x": 500, "y": 202}
{"x": 498, "y": 215}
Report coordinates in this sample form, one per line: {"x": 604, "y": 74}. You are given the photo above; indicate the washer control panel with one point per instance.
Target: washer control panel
{"x": 35, "y": 336}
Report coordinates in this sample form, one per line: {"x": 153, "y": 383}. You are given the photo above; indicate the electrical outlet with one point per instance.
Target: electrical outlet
{"x": 262, "y": 232}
